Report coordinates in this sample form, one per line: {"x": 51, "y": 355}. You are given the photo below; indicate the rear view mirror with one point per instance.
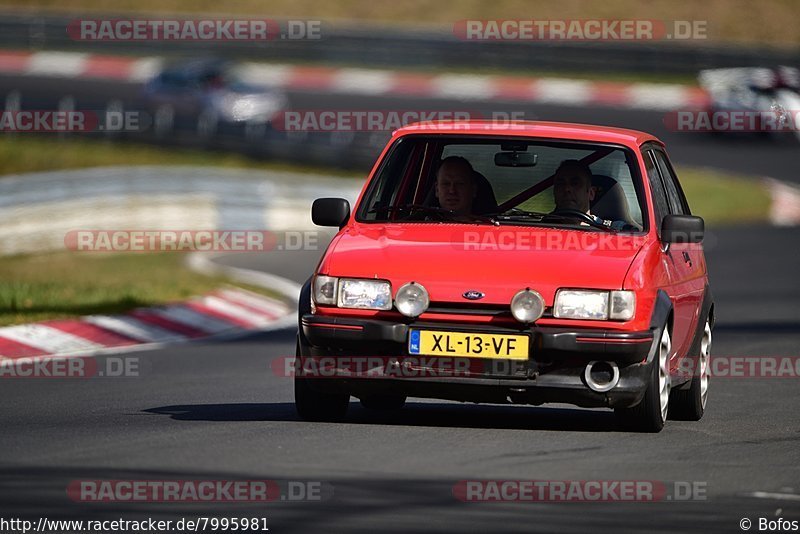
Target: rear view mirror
{"x": 682, "y": 229}
{"x": 515, "y": 159}
{"x": 330, "y": 212}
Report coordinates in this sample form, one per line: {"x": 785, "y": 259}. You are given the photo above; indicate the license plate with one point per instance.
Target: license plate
{"x": 468, "y": 345}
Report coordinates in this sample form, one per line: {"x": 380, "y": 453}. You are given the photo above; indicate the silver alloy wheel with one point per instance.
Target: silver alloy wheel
{"x": 664, "y": 382}
{"x": 705, "y": 355}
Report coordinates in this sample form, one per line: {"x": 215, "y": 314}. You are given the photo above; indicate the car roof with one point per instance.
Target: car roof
{"x": 543, "y": 129}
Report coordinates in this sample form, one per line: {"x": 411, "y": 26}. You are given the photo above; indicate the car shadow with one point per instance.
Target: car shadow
{"x": 417, "y": 414}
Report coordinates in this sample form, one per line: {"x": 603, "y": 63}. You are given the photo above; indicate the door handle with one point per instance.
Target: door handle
{"x": 686, "y": 258}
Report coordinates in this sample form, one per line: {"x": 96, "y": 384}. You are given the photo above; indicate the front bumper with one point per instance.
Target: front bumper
{"x": 553, "y": 372}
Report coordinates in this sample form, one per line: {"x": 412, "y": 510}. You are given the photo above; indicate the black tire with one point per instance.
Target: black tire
{"x": 690, "y": 404}
{"x": 384, "y": 402}
{"x": 651, "y": 413}
{"x": 314, "y": 405}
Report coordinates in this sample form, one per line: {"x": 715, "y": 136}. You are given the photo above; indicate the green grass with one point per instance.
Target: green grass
{"x": 25, "y": 153}
{"x": 740, "y": 21}
{"x": 68, "y": 284}
{"x": 722, "y": 198}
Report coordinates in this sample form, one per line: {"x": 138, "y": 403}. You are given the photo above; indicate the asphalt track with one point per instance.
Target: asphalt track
{"x": 218, "y": 411}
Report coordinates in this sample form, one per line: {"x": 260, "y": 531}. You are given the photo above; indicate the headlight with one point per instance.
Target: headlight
{"x": 594, "y": 305}
{"x": 527, "y": 306}
{"x": 623, "y": 305}
{"x": 365, "y": 294}
{"x": 412, "y": 300}
{"x": 325, "y": 289}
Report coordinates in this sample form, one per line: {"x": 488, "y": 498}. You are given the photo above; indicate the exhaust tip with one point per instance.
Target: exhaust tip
{"x": 601, "y": 376}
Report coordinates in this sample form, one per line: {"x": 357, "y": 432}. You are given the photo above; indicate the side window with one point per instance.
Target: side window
{"x": 384, "y": 188}
{"x": 660, "y": 203}
{"x": 677, "y": 201}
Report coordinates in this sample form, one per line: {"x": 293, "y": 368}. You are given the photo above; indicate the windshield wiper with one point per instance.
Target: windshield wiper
{"x": 519, "y": 215}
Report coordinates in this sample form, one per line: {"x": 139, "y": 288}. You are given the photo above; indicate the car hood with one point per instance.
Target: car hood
{"x": 449, "y": 259}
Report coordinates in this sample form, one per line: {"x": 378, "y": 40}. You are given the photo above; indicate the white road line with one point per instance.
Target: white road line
{"x": 785, "y": 207}
{"x": 269, "y": 306}
{"x": 562, "y": 91}
{"x": 47, "y": 338}
{"x": 189, "y": 317}
{"x": 133, "y": 328}
{"x": 774, "y": 496}
{"x": 145, "y": 68}
{"x": 233, "y": 310}
{"x": 463, "y": 86}
{"x": 266, "y": 74}
{"x": 363, "y": 81}
{"x": 57, "y": 64}
{"x": 663, "y": 97}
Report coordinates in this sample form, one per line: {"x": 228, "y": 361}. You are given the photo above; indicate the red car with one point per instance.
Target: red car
{"x": 528, "y": 262}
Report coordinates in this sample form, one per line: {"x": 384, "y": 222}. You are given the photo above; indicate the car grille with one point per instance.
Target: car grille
{"x": 467, "y": 308}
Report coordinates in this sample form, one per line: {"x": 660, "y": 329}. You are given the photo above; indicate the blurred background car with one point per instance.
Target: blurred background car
{"x": 754, "y": 89}
{"x": 208, "y": 95}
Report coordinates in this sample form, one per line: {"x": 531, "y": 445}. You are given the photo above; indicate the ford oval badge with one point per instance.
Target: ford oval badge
{"x": 472, "y": 295}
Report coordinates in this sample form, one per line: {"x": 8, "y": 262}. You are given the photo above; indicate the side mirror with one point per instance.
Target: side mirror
{"x": 682, "y": 229}
{"x": 330, "y": 212}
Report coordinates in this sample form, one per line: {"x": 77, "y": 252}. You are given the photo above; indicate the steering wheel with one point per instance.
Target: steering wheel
{"x": 578, "y": 214}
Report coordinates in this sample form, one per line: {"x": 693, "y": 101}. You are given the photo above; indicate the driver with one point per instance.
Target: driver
{"x": 572, "y": 186}
{"x": 456, "y": 188}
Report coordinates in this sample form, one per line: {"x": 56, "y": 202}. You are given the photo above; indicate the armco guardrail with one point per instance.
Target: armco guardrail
{"x": 390, "y": 46}
{"x": 37, "y": 210}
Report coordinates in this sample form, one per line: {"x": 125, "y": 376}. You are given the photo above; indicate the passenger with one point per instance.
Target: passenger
{"x": 573, "y": 191}
{"x": 456, "y": 188}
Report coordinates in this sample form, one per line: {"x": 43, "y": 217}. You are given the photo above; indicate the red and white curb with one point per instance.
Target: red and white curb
{"x": 225, "y": 312}
{"x": 376, "y": 82}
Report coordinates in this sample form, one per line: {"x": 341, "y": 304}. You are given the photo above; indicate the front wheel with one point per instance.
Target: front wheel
{"x": 690, "y": 404}
{"x": 314, "y": 405}
{"x": 651, "y": 413}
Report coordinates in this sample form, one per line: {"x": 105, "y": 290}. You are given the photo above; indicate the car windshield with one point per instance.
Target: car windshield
{"x": 202, "y": 76}
{"x": 514, "y": 181}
